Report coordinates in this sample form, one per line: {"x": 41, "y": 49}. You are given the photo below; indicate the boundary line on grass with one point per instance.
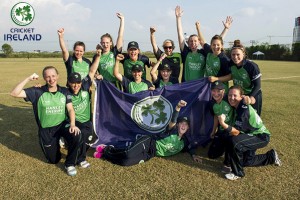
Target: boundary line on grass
{"x": 280, "y": 78}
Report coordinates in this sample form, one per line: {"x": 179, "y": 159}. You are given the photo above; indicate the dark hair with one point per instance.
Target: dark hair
{"x": 238, "y": 45}
{"x": 169, "y": 40}
{"x": 49, "y": 67}
{"x": 108, "y": 36}
{"x": 79, "y": 43}
{"x": 237, "y": 87}
{"x": 193, "y": 35}
{"x": 217, "y": 37}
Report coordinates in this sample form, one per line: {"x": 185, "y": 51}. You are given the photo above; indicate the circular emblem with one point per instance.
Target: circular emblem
{"x": 22, "y": 14}
{"x": 152, "y": 114}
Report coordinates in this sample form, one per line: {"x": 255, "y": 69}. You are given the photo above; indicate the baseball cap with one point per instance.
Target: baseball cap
{"x": 137, "y": 68}
{"x": 74, "y": 78}
{"x": 133, "y": 44}
{"x": 218, "y": 85}
{"x": 183, "y": 119}
{"x": 164, "y": 67}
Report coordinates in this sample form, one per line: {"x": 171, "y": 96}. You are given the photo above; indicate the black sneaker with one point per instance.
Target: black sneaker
{"x": 226, "y": 169}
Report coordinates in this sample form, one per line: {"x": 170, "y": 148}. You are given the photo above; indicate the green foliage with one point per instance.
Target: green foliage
{"x": 296, "y": 51}
{"x": 272, "y": 52}
{"x": 7, "y": 49}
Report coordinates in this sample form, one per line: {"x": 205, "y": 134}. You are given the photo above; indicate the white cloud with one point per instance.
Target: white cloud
{"x": 136, "y": 26}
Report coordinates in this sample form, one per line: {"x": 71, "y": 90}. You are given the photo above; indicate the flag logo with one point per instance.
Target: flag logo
{"x": 152, "y": 113}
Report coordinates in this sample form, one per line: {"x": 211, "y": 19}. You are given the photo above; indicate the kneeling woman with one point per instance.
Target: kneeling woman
{"x": 248, "y": 134}
{"x": 168, "y": 143}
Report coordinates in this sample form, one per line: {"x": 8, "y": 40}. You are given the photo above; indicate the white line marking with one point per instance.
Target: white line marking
{"x": 280, "y": 78}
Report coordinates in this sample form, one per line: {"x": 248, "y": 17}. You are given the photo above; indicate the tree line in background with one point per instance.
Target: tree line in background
{"x": 270, "y": 52}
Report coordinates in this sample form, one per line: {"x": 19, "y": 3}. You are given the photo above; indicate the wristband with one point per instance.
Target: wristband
{"x": 228, "y": 129}
{"x": 174, "y": 116}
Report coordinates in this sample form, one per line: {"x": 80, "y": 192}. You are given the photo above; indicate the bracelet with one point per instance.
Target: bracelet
{"x": 228, "y": 129}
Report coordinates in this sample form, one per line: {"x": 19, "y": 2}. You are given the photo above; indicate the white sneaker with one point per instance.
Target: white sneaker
{"x": 84, "y": 164}
{"x": 71, "y": 170}
{"x": 62, "y": 143}
{"x": 277, "y": 161}
{"x": 232, "y": 176}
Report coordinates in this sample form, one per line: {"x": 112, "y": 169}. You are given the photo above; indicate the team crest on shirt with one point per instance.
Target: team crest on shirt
{"x": 244, "y": 76}
{"x": 226, "y": 108}
{"x": 216, "y": 64}
{"x": 84, "y": 94}
{"x": 63, "y": 99}
{"x": 152, "y": 114}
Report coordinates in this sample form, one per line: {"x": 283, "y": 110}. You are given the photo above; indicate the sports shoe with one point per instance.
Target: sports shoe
{"x": 277, "y": 161}
{"x": 71, "y": 170}
{"x": 100, "y": 148}
{"x": 232, "y": 176}
{"x": 97, "y": 155}
{"x": 226, "y": 169}
{"x": 62, "y": 143}
{"x": 84, "y": 164}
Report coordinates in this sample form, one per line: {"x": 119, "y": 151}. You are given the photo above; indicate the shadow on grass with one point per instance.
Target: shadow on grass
{"x": 210, "y": 165}
{"x": 19, "y": 131}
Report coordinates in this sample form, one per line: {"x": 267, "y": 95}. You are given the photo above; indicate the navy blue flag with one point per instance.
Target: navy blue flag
{"x": 119, "y": 118}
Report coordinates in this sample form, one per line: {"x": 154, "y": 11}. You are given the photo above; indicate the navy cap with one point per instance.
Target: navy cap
{"x": 183, "y": 119}
{"x": 74, "y": 78}
{"x": 218, "y": 85}
{"x": 164, "y": 67}
{"x": 137, "y": 68}
{"x": 133, "y": 44}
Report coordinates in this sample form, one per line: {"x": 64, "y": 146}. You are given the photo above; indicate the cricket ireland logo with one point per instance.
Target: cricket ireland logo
{"x": 152, "y": 114}
{"x": 22, "y": 14}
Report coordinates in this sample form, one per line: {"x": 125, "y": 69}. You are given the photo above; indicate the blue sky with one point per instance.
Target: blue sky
{"x": 86, "y": 20}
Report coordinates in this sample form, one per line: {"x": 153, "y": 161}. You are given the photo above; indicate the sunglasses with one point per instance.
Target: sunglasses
{"x": 169, "y": 47}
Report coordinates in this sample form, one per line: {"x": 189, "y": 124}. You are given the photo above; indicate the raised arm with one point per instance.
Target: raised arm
{"x": 175, "y": 114}
{"x": 117, "y": 73}
{"x": 178, "y": 14}
{"x": 154, "y": 68}
{"x": 200, "y": 35}
{"x": 65, "y": 52}
{"x": 226, "y": 25}
{"x": 94, "y": 66}
{"x": 121, "y": 32}
{"x": 153, "y": 40}
{"x": 18, "y": 90}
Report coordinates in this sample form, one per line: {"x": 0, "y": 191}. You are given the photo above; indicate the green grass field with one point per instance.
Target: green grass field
{"x": 24, "y": 174}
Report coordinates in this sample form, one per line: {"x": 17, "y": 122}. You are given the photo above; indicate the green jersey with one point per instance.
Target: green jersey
{"x": 106, "y": 67}
{"x": 49, "y": 108}
{"x": 193, "y": 64}
{"x": 240, "y": 77}
{"x": 81, "y": 67}
{"x": 82, "y": 106}
{"x": 245, "y": 75}
{"x": 248, "y": 121}
{"x": 223, "y": 108}
{"x": 213, "y": 65}
{"x": 128, "y": 63}
{"x": 170, "y": 145}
